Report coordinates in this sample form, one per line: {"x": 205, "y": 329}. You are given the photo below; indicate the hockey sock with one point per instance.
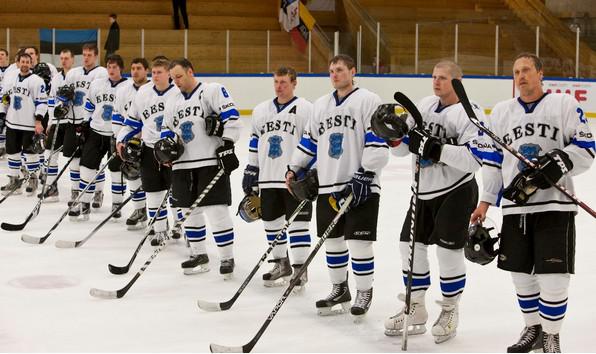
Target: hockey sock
{"x": 52, "y": 168}
{"x": 299, "y": 241}
{"x": 118, "y": 186}
{"x": 223, "y": 229}
{"x": 153, "y": 202}
{"x": 175, "y": 212}
{"x": 553, "y": 301}
{"x": 452, "y": 270}
{"x": 363, "y": 263}
{"x": 272, "y": 228}
{"x": 75, "y": 174}
{"x": 32, "y": 162}
{"x": 100, "y": 181}
{"x": 87, "y": 175}
{"x": 14, "y": 164}
{"x": 421, "y": 268}
{"x": 196, "y": 232}
{"x": 337, "y": 254}
{"x": 528, "y": 293}
{"x": 139, "y": 198}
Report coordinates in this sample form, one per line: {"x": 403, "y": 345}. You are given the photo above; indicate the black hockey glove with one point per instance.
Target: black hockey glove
{"x": 214, "y": 126}
{"x": 359, "y": 186}
{"x": 250, "y": 179}
{"x": 304, "y": 185}
{"x": 82, "y": 133}
{"x": 388, "y": 125}
{"x": 520, "y": 190}
{"x": 425, "y": 145}
{"x": 226, "y": 158}
{"x": 553, "y": 165}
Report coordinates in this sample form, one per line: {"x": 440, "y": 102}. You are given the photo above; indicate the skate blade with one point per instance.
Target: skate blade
{"x": 228, "y": 276}
{"x": 358, "y": 318}
{"x": 283, "y": 281}
{"x": 298, "y": 290}
{"x": 203, "y": 268}
{"x": 138, "y": 226}
{"x": 442, "y": 339}
{"x": 412, "y": 331}
{"x": 51, "y": 200}
{"x": 336, "y": 309}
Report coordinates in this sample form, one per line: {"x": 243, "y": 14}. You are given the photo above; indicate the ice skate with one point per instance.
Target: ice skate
{"x": 97, "y": 200}
{"x": 394, "y": 325}
{"x": 32, "y": 184}
{"x": 137, "y": 220}
{"x": 51, "y": 194}
{"x": 226, "y": 268}
{"x": 530, "y": 339}
{"x": 74, "y": 194}
{"x": 299, "y": 287}
{"x": 340, "y": 295}
{"x": 361, "y": 304}
{"x": 445, "y": 327}
{"x": 118, "y": 214}
{"x": 175, "y": 234}
{"x": 196, "y": 264}
{"x": 14, "y": 183}
{"x": 80, "y": 212}
{"x": 280, "y": 274}
{"x": 159, "y": 238}
{"x": 2, "y": 152}
{"x": 550, "y": 343}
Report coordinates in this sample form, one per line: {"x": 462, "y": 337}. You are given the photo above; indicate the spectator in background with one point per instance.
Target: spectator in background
{"x": 180, "y": 4}
{"x": 113, "y": 40}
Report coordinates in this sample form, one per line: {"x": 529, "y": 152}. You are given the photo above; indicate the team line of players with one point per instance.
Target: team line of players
{"x": 188, "y": 129}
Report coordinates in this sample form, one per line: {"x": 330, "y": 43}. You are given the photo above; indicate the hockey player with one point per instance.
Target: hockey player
{"x": 204, "y": 120}
{"x": 538, "y": 232}
{"x": 76, "y": 128}
{"x": 447, "y": 146}
{"x": 66, "y": 62}
{"x": 146, "y": 115}
{"x": 34, "y": 53}
{"x": 101, "y": 99}
{"x": 277, "y": 126}
{"x": 350, "y": 158}
{"x": 3, "y": 67}
{"x": 124, "y": 96}
{"x": 27, "y": 104}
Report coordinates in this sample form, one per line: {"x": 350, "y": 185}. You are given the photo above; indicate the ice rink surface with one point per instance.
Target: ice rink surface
{"x": 45, "y": 304}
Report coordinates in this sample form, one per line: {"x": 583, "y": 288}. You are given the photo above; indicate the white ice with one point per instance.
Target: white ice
{"x": 45, "y": 304}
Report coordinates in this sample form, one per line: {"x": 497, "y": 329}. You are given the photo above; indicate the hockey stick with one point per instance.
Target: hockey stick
{"x": 246, "y": 348}
{"x": 118, "y": 270}
{"x": 75, "y": 244}
{"x": 226, "y": 305}
{"x": 35, "y": 240}
{"x": 463, "y": 97}
{"x": 116, "y": 294}
{"x": 413, "y": 110}
{"x": 18, "y": 227}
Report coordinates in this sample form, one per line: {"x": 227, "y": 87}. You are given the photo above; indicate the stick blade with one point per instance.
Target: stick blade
{"x": 66, "y": 244}
{"x": 117, "y": 269}
{"x": 103, "y": 294}
{"x": 32, "y": 239}
{"x": 460, "y": 91}
{"x": 216, "y": 348}
{"x": 409, "y": 106}
{"x": 12, "y": 227}
{"x": 209, "y": 306}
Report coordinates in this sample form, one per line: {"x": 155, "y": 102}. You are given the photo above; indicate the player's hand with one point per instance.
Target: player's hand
{"x": 119, "y": 147}
{"x": 479, "y": 214}
{"x": 290, "y": 176}
{"x": 38, "y": 127}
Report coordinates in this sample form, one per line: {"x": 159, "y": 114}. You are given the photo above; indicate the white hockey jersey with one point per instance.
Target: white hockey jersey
{"x": 276, "y": 131}
{"x": 555, "y": 121}
{"x": 185, "y": 117}
{"x": 146, "y": 113}
{"x": 57, "y": 82}
{"x": 2, "y": 72}
{"x": 27, "y": 99}
{"x": 460, "y": 157}
{"x": 9, "y": 78}
{"x": 340, "y": 138}
{"x": 81, "y": 79}
{"x": 124, "y": 96}
{"x": 101, "y": 99}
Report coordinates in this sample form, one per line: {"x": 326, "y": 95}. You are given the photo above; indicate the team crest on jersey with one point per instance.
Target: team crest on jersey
{"x": 275, "y": 150}
{"x": 18, "y": 103}
{"x": 335, "y": 145}
{"x": 106, "y": 114}
{"x": 530, "y": 151}
{"x": 159, "y": 123}
{"x": 78, "y": 98}
{"x": 186, "y": 132}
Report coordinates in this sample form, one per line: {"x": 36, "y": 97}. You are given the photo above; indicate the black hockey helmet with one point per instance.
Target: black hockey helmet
{"x": 131, "y": 170}
{"x": 37, "y": 144}
{"x": 43, "y": 70}
{"x": 306, "y": 187}
{"x": 480, "y": 246}
{"x": 385, "y": 123}
{"x": 249, "y": 208}
{"x": 168, "y": 149}
{"x": 66, "y": 92}
{"x": 132, "y": 150}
